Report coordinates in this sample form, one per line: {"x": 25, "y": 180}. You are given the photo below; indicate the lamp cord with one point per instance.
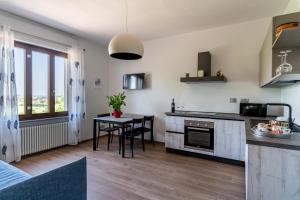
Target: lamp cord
{"x": 126, "y": 16}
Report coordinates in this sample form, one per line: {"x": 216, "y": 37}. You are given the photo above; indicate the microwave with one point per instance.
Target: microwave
{"x": 253, "y": 109}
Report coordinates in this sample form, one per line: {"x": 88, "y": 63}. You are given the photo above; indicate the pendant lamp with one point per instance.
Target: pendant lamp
{"x": 126, "y": 46}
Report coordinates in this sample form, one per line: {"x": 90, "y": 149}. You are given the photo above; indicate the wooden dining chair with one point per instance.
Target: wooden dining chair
{"x": 110, "y": 131}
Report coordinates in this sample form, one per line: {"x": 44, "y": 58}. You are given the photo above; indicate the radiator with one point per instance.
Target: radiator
{"x": 43, "y": 137}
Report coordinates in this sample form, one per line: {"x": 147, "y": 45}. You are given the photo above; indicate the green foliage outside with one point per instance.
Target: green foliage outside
{"x": 40, "y": 105}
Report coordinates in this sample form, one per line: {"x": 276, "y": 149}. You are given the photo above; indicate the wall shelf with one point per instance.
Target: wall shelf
{"x": 288, "y": 38}
{"x": 282, "y": 80}
{"x": 204, "y": 79}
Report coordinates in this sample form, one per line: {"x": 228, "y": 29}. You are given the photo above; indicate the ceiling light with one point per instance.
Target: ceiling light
{"x": 126, "y": 46}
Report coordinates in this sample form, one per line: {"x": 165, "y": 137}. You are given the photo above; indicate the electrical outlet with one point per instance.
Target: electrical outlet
{"x": 232, "y": 100}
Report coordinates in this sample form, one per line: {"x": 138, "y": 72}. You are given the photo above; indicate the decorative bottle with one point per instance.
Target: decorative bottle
{"x": 173, "y": 106}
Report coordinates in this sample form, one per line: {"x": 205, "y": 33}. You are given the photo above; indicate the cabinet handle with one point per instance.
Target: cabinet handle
{"x": 199, "y": 129}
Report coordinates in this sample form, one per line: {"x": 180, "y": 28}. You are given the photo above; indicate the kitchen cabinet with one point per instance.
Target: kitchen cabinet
{"x": 175, "y": 124}
{"x": 272, "y": 173}
{"x": 272, "y": 47}
{"x": 230, "y": 139}
{"x": 174, "y": 140}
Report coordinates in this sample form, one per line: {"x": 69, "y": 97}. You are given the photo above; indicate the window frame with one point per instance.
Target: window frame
{"x": 28, "y": 115}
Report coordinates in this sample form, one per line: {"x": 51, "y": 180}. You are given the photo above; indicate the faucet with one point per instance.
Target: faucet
{"x": 290, "y": 120}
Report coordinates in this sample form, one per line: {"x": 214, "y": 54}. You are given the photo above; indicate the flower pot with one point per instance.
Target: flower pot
{"x": 117, "y": 113}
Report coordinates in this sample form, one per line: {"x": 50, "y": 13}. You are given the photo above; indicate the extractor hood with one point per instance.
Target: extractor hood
{"x": 282, "y": 79}
{"x": 204, "y": 63}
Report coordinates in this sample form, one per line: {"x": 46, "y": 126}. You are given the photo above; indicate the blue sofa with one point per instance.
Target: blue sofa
{"x": 68, "y": 182}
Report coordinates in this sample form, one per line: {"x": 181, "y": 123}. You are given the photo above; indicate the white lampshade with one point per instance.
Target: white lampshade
{"x": 126, "y": 47}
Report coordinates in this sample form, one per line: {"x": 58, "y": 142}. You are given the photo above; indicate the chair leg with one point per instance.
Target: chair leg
{"x": 112, "y": 137}
{"x": 98, "y": 139}
{"x": 152, "y": 136}
{"x": 119, "y": 141}
{"x": 143, "y": 141}
{"x": 108, "y": 141}
{"x": 131, "y": 143}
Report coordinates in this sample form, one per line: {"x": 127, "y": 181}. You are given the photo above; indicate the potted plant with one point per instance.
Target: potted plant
{"x": 116, "y": 102}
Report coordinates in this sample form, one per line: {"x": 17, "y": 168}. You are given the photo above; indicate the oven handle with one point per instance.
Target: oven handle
{"x": 198, "y": 129}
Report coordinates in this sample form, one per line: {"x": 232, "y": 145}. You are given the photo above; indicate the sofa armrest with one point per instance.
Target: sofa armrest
{"x": 67, "y": 182}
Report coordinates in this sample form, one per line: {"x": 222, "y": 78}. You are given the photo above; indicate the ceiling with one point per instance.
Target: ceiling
{"x": 149, "y": 19}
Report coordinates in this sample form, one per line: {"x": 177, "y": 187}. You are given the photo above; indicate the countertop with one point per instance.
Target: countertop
{"x": 207, "y": 115}
{"x": 292, "y": 143}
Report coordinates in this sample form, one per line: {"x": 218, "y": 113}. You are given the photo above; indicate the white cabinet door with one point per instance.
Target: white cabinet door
{"x": 175, "y": 124}
{"x": 174, "y": 140}
{"x": 229, "y": 139}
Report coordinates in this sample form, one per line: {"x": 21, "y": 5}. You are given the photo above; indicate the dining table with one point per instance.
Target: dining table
{"x": 124, "y": 120}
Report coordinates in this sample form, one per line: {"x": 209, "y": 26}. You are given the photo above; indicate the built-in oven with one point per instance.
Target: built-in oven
{"x": 199, "y": 135}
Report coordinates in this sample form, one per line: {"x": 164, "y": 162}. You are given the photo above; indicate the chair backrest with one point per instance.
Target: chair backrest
{"x": 103, "y": 115}
{"x": 149, "y": 118}
{"x": 138, "y": 121}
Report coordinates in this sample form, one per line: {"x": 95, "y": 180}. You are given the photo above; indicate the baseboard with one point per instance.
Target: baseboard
{"x": 207, "y": 157}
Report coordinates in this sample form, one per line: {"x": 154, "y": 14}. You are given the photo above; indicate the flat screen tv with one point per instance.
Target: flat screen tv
{"x": 134, "y": 81}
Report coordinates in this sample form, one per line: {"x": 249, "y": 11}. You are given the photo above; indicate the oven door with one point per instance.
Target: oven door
{"x": 199, "y": 137}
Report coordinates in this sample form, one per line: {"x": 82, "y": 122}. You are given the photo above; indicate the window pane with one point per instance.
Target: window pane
{"x": 40, "y": 82}
{"x": 60, "y": 84}
{"x": 20, "y": 78}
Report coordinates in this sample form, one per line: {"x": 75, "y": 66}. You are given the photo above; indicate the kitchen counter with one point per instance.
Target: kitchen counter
{"x": 207, "y": 115}
{"x": 292, "y": 143}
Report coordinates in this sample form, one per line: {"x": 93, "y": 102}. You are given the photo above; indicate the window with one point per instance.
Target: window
{"x": 20, "y": 78}
{"x": 60, "y": 86}
{"x": 41, "y": 81}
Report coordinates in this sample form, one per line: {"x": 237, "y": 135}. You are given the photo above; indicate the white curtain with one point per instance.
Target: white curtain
{"x": 10, "y": 138}
{"x": 76, "y": 96}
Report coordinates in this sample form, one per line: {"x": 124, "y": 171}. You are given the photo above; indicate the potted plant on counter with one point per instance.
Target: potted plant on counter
{"x": 116, "y": 102}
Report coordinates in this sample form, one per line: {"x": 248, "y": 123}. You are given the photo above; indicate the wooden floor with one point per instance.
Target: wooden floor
{"x": 153, "y": 174}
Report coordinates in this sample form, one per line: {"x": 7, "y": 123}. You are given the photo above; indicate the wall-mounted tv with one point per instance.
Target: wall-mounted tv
{"x": 134, "y": 81}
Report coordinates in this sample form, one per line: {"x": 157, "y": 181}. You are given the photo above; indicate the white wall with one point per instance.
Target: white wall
{"x": 234, "y": 49}
{"x": 293, "y": 6}
{"x": 291, "y": 94}
{"x": 96, "y": 62}
{"x": 96, "y": 66}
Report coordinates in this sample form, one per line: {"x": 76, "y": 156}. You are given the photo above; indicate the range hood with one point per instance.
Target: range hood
{"x": 282, "y": 79}
{"x": 204, "y": 63}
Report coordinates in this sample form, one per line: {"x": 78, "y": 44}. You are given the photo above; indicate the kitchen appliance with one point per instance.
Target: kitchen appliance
{"x": 253, "y": 109}
{"x": 134, "y": 81}
{"x": 199, "y": 135}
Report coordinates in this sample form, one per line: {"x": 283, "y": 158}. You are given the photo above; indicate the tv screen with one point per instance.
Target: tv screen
{"x": 133, "y": 81}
